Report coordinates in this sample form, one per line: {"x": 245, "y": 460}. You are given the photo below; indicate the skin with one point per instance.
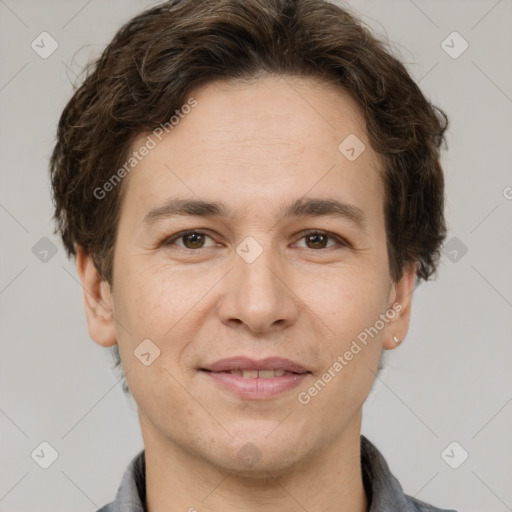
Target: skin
{"x": 255, "y": 146}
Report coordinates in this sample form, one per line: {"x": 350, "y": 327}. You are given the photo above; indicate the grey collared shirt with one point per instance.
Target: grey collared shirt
{"x": 383, "y": 490}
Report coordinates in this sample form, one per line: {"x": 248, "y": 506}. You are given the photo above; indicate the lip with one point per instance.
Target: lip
{"x": 258, "y": 388}
{"x": 246, "y": 363}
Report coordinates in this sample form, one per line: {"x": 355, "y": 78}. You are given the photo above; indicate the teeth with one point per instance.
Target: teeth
{"x": 255, "y": 374}
{"x": 265, "y": 374}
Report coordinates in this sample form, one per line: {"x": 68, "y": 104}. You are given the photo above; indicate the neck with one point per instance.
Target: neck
{"x": 329, "y": 480}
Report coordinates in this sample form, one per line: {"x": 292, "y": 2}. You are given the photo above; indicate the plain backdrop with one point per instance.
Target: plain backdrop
{"x": 445, "y": 393}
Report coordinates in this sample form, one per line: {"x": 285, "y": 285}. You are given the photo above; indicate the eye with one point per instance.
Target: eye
{"x": 319, "y": 239}
{"x": 191, "y": 239}
{"x": 194, "y": 239}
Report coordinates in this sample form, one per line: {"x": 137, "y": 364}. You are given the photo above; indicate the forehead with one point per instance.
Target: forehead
{"x": 268, "y": 141}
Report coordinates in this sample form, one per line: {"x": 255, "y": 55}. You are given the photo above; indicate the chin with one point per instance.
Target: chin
{"x": 256, "y": 455}
{"x": 248, "y": 462}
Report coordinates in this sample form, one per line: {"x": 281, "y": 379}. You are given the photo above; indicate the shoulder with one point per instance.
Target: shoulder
{"x": 383, "y": 488}
{"x": 421, "y": 506}
{"x": 132, "y": 489}
{"x": 107, "y": 508}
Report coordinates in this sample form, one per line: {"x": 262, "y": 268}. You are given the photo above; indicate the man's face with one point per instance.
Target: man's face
{"x": 253, "y": 283}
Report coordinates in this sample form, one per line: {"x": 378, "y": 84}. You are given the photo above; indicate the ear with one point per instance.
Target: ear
{"x": 400, "y": 303}
{"x": 97, "y": 300}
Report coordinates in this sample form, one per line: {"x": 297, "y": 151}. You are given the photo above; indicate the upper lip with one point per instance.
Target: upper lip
{"x": 246, "y": 363}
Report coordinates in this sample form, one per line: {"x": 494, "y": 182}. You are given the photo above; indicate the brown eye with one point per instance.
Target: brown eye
{"x": 189, "y": 240}
{"x": 195, "y": 240}
{"x": 316, "y": 241}
{"x": 320, "y": 239}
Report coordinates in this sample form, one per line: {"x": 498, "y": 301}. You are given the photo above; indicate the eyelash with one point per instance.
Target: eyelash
{"x": 341, "y": 242}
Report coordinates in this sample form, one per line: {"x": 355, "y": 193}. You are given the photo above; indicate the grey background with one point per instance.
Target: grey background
{"x": 449, "y": 381}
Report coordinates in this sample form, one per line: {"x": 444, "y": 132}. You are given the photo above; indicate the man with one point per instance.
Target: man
{"x": 252, "y": 190}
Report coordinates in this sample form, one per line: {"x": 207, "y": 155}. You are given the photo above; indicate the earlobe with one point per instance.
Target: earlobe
{"x": 397, "y": 327}
{"x": 97, "y": 300}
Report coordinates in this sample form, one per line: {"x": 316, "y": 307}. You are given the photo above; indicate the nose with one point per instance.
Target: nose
{"x": 259, "y": 295}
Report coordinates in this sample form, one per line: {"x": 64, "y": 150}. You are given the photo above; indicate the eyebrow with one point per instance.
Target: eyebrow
{"x": 312, "y": 207}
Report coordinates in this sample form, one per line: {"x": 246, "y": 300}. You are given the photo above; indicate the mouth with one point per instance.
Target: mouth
{"x": 257, "y": 380}
{"x": 258, "y": 374}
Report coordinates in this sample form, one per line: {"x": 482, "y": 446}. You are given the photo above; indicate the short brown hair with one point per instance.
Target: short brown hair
{"x": 157, "y": 58}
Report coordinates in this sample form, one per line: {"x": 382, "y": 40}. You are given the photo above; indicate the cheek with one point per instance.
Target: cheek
{"x": 158, "y": 301}
{"x": 345, "y": 308}
{"x": 152, "y": 298}
{"x": 349, "y": 348}
{"x": 345, "y": 300}
{"x": 153, "y": 306}
{"x": 349, "y": 359}
{"x": 165, "y": 304}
